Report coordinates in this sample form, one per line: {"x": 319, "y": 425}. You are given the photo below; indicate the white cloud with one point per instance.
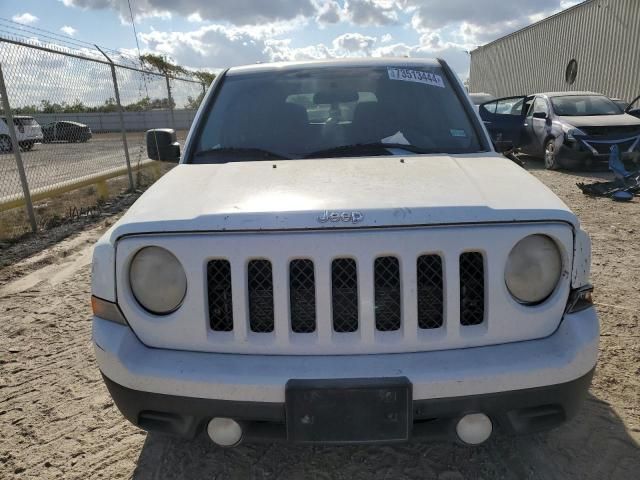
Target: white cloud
{"x": 233, "y": 32}
{"x": 475, "y": 23}
{"x": 282, "y": 51}
{"x": 329, "y": 11}
{"x": 68, "y": 30}
{"x": 238, "y": 12}
{"x": 371, "y": 12}
{"x": 353, "y": 44}
{"x": 195, "y": 18}
{"x": 25, "y": 18}
{"x": 430, "y": 46}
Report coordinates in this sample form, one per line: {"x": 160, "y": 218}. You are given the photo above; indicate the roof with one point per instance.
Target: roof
{"x": 568, "y": 94}
{"x": 337, "y": 62}
{"x": 78, "y": 124}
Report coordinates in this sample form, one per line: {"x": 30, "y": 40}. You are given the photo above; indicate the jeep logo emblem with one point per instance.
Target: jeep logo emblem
{"x": 335, "y": 217}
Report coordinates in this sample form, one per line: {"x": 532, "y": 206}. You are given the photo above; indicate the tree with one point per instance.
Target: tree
{"x": 204, "y": 77}
{"x": 76, "y": 107}
{"x": 194, "y": 103}
{"x": 162, "y": 64}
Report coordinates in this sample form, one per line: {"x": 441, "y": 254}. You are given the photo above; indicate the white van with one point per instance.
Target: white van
{"x": 28, "y": 131}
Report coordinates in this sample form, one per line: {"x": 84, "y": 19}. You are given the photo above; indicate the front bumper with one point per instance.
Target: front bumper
{"x": 588, "y": 150}
{"x": 523, "y": 386}
{"x": 515, "y": 412}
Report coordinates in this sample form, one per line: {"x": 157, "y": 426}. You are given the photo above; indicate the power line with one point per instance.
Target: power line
{"x": 133, "y": 24}
{"x": 15, "y": 28}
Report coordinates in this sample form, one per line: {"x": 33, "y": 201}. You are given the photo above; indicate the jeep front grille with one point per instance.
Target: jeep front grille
{"x": 302, "y": 296}
{"x": 347, "y": 291}
{"x": 344, "y": 295}
{"x": 430, "y": 292}
{"x": 220, "y": 303}
{"x": 387, "y": 295}
{"x": 471, "y": 288}
{"x": 260, "y": 282}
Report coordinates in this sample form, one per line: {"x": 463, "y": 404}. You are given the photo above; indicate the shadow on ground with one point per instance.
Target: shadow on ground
{"x": 598, "y": 172}
{"x": 594, "y": 445}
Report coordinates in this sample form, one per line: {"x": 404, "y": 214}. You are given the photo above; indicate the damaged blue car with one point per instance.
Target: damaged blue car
{"x": 566, "y": 129}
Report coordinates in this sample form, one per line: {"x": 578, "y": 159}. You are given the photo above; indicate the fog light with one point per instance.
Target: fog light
{"x": 225, "y": 432}
{"x": 474, "y": 428}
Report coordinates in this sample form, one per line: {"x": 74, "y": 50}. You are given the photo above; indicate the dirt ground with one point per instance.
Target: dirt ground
{"x": 58, "y": 421}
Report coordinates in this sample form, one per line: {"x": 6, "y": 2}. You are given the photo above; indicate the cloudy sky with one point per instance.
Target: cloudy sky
{"x": 219, "y": 33}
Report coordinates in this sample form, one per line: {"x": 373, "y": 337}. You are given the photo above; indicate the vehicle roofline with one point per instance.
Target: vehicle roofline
{"x": 567, "y": 94}
{"x": 337, "y": 62}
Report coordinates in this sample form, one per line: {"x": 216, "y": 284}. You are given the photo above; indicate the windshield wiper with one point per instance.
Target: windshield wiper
{"x": 247, "y": 153}
{"x": 378, "y": 148}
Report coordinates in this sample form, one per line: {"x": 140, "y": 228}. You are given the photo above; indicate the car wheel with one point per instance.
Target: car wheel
{"x": 5, "y": 143}
{"x": 550, "y": 155}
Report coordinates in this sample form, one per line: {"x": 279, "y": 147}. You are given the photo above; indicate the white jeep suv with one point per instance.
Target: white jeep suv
{"x": 340, "y": 257}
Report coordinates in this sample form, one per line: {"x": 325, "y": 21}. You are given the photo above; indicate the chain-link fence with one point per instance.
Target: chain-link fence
{"x": 74, "y": 119}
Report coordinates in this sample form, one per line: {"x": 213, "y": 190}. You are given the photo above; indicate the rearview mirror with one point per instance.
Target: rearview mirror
{"x": 163, "y": 145}
{"x": 335, "y": 96}
{"x": 541, "y": 115}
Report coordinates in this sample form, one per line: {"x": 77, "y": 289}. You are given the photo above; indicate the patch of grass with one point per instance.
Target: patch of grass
{"x": 76, "y": 206}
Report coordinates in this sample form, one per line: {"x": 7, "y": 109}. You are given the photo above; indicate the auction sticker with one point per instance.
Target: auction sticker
{"x": 408, "y": 75}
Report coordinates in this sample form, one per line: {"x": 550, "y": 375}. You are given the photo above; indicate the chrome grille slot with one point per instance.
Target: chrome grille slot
{"x": 388, "y": 311}
{"x": 260, "y": 283}
{"x": 430, "y": 292}
{"x": 219, "y": 295}
{"x": 344, "y": 295}
{"x": 471, "y": 288}
{"x": 302, "y": 296}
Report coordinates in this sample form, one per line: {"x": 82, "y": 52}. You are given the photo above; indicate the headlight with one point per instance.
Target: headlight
{"x": 533, "y": 269}
{"x": 570, "y": 132}
{"x": 157, "y": 279}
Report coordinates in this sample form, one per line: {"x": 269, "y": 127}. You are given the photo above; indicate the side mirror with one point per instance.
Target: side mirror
{"x": 541, "y": 115}
{"x": 503, "y": 146}
{"x": 162, "y": 145}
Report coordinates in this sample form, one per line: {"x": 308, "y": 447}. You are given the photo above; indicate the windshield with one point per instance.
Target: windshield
{"x": 337, "y": 111}
{"x": 584, "y": 105}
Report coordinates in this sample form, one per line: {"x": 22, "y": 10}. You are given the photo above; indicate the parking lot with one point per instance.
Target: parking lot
{"x": 48, "y": 164}
{"x": 58, "y": 420}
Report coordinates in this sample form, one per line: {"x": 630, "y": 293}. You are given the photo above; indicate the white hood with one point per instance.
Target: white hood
{"x": 386, "y": 191}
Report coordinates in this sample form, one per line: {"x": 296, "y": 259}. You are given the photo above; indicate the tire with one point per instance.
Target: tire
{"x": 5, "y": 143}
{"x": 551, "y": 161}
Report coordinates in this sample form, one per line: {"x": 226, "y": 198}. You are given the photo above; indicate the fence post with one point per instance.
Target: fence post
{"x": 121, "y": 118}
{"x": 15, "y": 146}
{"x": 170, "y": 100}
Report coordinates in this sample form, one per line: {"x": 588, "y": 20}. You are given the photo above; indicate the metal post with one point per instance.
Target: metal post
{"x": 173, "y": 120}
{"x": 121, "y": 117}
{"x": 16, "y": 151}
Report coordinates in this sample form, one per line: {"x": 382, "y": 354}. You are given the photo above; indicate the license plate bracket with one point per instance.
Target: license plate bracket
{"x": 340, "y": 411}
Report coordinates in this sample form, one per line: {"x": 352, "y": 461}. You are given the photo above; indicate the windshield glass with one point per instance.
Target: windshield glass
{"x": 304, "y": 112}
{"x": 584, "y": 105}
